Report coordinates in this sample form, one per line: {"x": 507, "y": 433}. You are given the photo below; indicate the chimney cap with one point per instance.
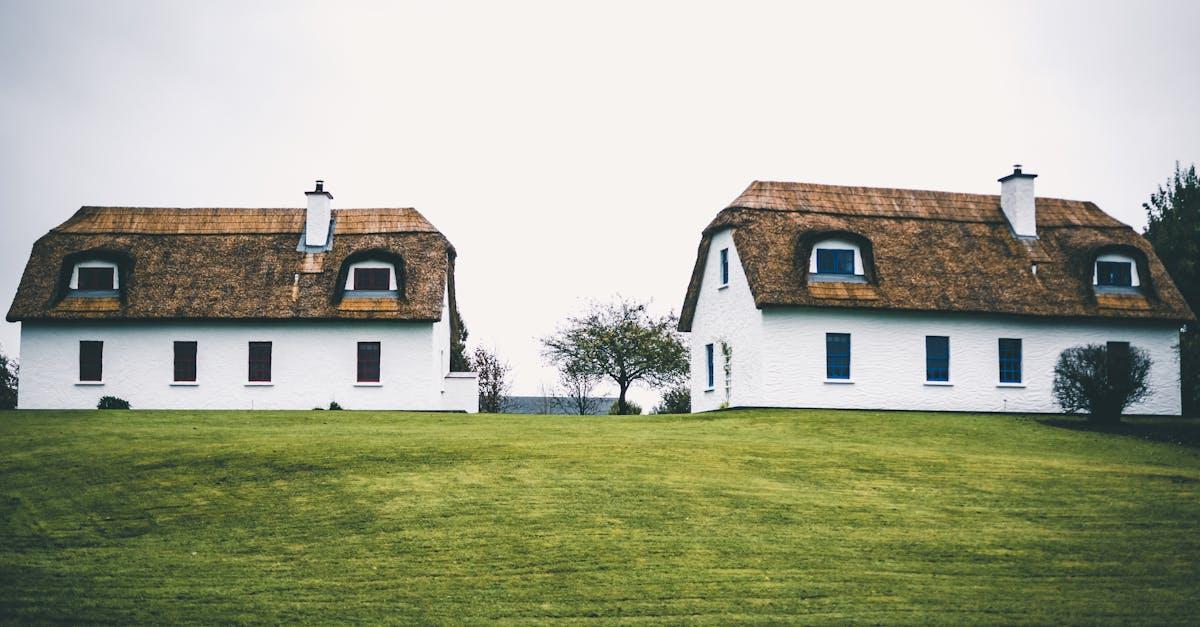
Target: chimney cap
{"x": 1017, "y": 173}
{"x": 320, "y": 189}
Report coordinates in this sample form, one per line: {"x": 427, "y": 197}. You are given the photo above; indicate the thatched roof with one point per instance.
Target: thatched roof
{"x": 233, "y": 264}
{"x": 934, "y": 251}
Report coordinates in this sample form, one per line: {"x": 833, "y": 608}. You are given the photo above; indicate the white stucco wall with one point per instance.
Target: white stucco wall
{"x": 313, "y": 363}
{"x": 726, "y": 314}
{"x": 779, "y": 354}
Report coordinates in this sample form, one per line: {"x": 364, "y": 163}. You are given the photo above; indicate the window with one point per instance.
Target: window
{"x": 95, "y": 278}
{"x": 185, "y": 361}
{"x": 835, "y": 261}
{"x": 724, "y": 266}
{"x": 837, "y": 355}
{"x": 91, "y": 360}
{"x": 260, "y": 362}
{"x": 937, "y": 358}
{"x": 708, "y": 359}
{"x": 368, "y": 362}
{"x": 1114, "y": 273}
{"x": 374, "y": 279}
{"x": 1010, "y": 360}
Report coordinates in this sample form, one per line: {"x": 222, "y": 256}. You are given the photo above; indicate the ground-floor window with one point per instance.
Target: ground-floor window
{"x": 1010, "y": 360}
{"x": 937, "y": 358}
{"x": 708, "y": 360}
{"x": 185, "y": 361}
{"x": 260, "y": 362}
{"x": 91, "y": 360}
{"x": 368, "y": 362}
{"x": 837, "y": 355}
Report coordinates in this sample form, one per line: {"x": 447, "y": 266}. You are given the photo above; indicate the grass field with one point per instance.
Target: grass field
{"x": 747, "y": 516}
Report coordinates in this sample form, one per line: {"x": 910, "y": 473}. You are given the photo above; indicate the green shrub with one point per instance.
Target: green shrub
{"x": 112, "y": 402}
{"x": 631, "y": 408}
{"x": 1101, "y": 382}
{"x": 677, "y": 400}
{"x": 333, "y": 406}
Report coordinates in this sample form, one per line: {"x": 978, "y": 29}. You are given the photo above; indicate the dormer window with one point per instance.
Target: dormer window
{"x": 1115, "y": 271}
{"x": 96, "y": 277}
{"x": 836, "y": 259}
{"x": 372, "y": 278}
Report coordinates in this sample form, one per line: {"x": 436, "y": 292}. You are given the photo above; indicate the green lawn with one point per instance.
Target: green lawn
{"x": 747, "y": 516}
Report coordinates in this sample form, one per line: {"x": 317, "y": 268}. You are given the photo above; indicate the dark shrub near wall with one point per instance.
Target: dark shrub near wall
{"x": 1101, "y": 380}
{"x": 112, "y": 402}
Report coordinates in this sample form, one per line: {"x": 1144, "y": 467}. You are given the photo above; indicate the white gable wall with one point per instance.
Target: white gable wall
{"x": 726, "y": 314}
{"x": 313, "y": 363}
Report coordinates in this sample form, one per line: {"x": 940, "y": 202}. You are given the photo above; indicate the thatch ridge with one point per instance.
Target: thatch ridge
{"x": 934, "y": 251}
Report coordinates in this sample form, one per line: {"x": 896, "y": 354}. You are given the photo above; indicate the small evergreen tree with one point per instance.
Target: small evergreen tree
{"x": 1101, "y": 381}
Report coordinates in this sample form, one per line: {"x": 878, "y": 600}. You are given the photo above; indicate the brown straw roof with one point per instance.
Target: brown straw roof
{"x": 233, "y": 264}
{"x": 934, "y": 251}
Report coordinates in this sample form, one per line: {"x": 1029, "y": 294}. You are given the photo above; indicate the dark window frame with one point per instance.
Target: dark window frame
{"x": 1011, "y": 354}
{"x": 258, "y": 360}
{"x": 837, "y": 356}
{"x": 372, "y": 279}
{"x": 937, "y": 358}
{"x": 184, "y": 362}
{"x": 724, "y": 266}
{"x": 89, "y": 278}
{"x": 835, "y": 261}
{"x": 1114, "y": 273}
{"x": 91, "y": 361}
{"x": 369, "y": 356}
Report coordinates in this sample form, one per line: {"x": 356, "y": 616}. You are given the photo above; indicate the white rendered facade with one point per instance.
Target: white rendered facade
{"x": 778, "y": 355}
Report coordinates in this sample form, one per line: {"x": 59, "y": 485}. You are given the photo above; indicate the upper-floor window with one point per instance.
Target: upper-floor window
{"x": 1115, "y": 270}
{"x": 724, "y": 266}
{"x": 94, "y": 276}
{"x": 371, "y": 276}
{"x": 836, "y": 259}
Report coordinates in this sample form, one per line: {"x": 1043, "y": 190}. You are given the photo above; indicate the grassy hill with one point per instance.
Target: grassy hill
{"x": 806, "y": 516}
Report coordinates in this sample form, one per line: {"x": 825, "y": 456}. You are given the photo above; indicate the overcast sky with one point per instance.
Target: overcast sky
{"x": 573, "y": 151}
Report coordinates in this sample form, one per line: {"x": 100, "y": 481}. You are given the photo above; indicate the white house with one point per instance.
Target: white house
{"x": 824, "y": 296}
{"x": 241, "y": 308}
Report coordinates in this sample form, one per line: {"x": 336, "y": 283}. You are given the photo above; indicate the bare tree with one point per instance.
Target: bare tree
{"x": 577, "y": 389}
{"x": 493, "y": 380}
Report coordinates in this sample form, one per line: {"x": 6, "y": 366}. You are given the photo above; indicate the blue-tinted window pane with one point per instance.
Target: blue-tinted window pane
{"x": 1010, "y": 361}
{"x": 835, "y": 261}
{"x": 837, "y": 355}
{"x": 937, "y": 358}
{"x": 708, "y": 356}
{"x": 1118, "y": 273}
{"x": 724, "y": 266}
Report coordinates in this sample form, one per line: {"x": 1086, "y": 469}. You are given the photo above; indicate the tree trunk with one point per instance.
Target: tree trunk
{"x": 621, "y": 398}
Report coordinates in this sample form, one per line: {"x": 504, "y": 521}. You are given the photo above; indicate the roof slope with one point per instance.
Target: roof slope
{"x": 233, "y": 264}
{"x": 933, "y": 251}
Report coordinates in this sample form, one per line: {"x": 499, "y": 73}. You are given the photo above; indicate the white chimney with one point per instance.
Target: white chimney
{"x": 1017, "y": 201}
{"x": 316, "y": 220}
